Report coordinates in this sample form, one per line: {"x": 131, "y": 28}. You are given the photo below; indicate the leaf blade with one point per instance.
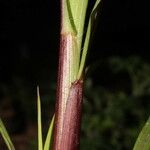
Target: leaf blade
{"x": 49, "y": 135}
{"x": 92, "y": 19}
{"x": 6, "y": 136}
{"x": 40, "y": 140}
{"x": 143, "y": 140}
{"x": 79, "y": 12}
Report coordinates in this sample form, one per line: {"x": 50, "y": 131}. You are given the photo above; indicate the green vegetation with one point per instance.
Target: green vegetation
{"x": 5, "y": 136}
{"x": 117, "y": 90}
{"x": 113, "y": 116}
{"x": 48, "y": 140}
{"x": 116, "y": 106}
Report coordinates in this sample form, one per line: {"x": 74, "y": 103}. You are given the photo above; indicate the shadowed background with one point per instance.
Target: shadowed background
{"x": 117, "y": 88}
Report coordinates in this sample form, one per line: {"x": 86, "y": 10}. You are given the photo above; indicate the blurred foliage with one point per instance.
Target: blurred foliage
{"x": 115, "y": 108}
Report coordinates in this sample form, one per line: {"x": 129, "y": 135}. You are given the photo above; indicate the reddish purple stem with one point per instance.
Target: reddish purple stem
{"x": 67, "y": 115}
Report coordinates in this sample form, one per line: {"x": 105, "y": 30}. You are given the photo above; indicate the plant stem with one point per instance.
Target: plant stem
{"x": 69, "y": 88}
{"x": 67, "y": 125}
{"x": 63, "y": 89}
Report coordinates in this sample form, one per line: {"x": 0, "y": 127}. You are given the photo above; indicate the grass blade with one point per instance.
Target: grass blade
{"x": 76, "y": 13}
{"x": 40, "y": 140}
{"x": 49, "y": 135}
{"x": 143, "y": 141}
{"x": 92, "y": 19}
{"x": 6, "y": 136}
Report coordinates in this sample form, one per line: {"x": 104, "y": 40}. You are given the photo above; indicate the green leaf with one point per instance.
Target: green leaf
{"x": 6, "y": 136}
{"x": 72, "y": 27}
{"x": 92, "y": 19}
{"x": 48, "y": 140}
{"x": 77, "y": 17}
{"x": 40, "y": 140}
{"x": 74, "y": 12}
{"x": 71, "y": 18}
{"x": 143, "y": 141}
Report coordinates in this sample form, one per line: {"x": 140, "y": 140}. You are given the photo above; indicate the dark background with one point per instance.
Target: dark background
{"x": 117, "y": 91}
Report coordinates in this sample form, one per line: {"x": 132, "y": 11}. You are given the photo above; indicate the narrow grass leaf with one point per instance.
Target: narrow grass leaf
{"x": 40, "y": 140}
{"x": 6, "y": 136}
{"x": 143, "y": 141}
{"x": 77, "y": 11}
{"x": 48, "y": 140}
{"x": 92, "y": 19}
{"x": 71, "y": 18}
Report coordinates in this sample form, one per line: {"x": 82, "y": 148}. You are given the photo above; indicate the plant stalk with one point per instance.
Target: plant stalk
{"x": 69, "y": 88}
{"x": 69, "y": 99}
